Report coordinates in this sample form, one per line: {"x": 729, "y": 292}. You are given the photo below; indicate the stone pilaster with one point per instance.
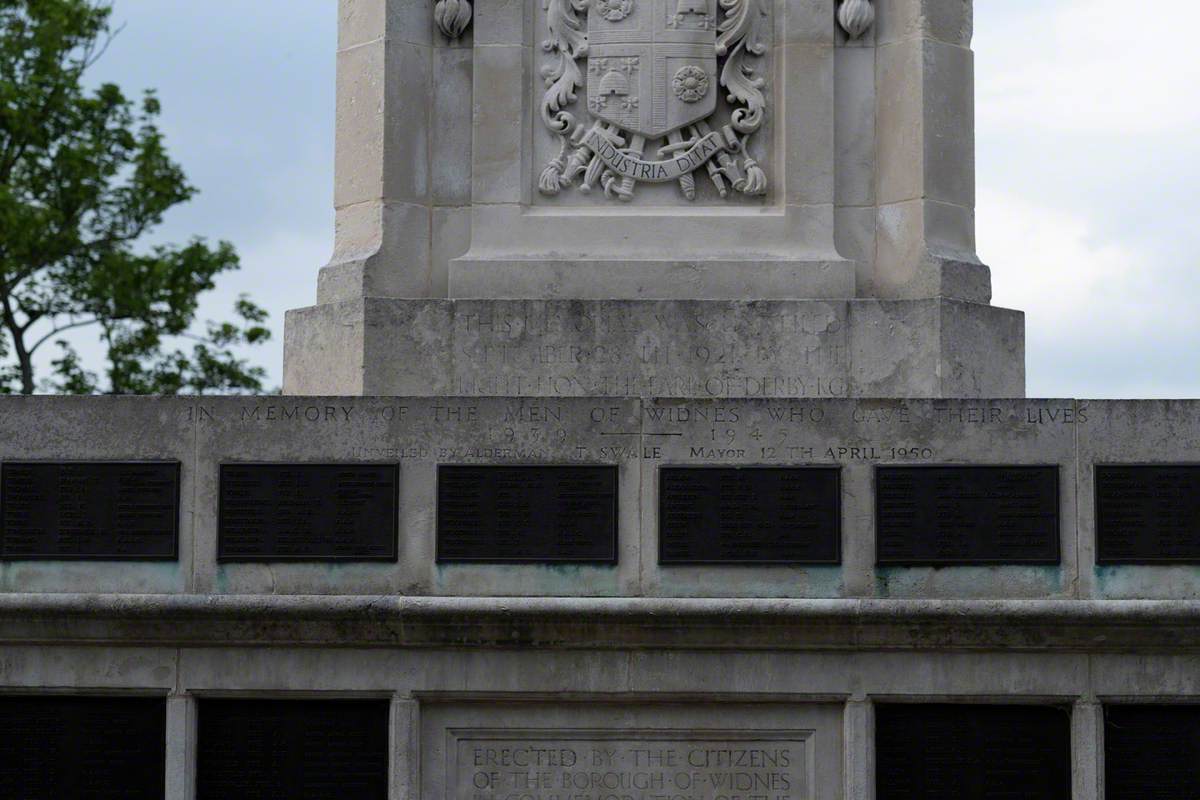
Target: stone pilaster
{"x": 389, "y": 62}
{"x": 925, "y": 150}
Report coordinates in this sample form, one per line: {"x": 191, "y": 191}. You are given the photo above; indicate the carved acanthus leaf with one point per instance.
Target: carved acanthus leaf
{"x": 568, "y": 41}
{"x": 856, "y": 17}
{"x": 740, "y": 37}
{"x": 452, "y": 17}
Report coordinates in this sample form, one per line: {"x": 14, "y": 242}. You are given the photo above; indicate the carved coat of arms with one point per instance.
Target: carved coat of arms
{"x": 654, "y": 70}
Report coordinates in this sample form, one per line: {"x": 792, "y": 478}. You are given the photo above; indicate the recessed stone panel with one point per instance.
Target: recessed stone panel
{"x": 308, "y": 512}
{"x": 496, "y": 514}
{"x": 1147, "y": 514}
{"x": 749, "y": 515}
{"x": 271, "y": 749}
{"x": 101, "y": 748}
{"x": 1151, "y": 752}
{"x": 967, "y": 515}
{"x": 975, "y": 752}
{"x": 97, "y": 510}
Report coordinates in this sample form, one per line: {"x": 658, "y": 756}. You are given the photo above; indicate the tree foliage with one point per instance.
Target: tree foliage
{"x": 84, "y": 177}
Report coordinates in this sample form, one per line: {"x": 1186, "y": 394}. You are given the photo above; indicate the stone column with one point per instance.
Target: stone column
{"x": 382, "y": 190}
{"x": 406, "y": 748}
{"x": 181, "y": 747}
{"x": 925, "y": 181}
{"x": 859, "y": 748}
{"x": 1087, "y": 750}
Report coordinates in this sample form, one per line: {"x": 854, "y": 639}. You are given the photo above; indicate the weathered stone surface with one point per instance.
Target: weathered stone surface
{"x": 809, "y": 349}
{"x": 638, "y": 436}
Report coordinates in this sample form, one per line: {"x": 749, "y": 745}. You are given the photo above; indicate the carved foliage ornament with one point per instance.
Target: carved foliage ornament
{"x": 652, "y": 69}
{"x": 452, "y": 17}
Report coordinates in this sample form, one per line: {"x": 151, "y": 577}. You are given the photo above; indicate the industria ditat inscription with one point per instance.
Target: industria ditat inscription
{"x": 653, "y": 72}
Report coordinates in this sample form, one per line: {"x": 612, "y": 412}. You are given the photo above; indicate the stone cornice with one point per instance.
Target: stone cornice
{"x": 601, "y": 623}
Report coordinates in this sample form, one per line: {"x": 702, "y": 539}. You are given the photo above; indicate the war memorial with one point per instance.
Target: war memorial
{"x": 653, "y": 437}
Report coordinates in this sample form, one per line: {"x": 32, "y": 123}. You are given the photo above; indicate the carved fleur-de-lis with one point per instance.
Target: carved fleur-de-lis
{"x": 856, "y": 17}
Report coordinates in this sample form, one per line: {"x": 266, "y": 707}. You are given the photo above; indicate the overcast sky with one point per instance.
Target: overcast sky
{"x": 1088, "y": 168}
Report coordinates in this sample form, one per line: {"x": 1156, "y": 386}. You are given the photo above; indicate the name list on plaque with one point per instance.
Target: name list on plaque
{"x": 89, "y": 511}
{"x": 308, "y": 512}
{"x": 1150, "y": 751}
{"x": 95, "y": 747}
{"x": 1147, "y": 514}
{"x": 527, "y": 514}
{"x": 950, "y": 752}
{"x": 967, "y": 515}
{"x": 271, "y": 749}
{"x": 752, "y": 515}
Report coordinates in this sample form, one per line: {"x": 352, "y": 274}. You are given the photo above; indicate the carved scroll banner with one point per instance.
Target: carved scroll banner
{"x": 627, "y": 165}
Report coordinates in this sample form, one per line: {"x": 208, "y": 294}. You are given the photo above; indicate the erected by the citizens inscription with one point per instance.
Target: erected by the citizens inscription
{"x": 749, "y": 515}
{"x": 1151, "y": 752}
{"x": 982, "y": 752}
{"x": 1147, "y": 514}
{"x": 626, "y": 765}
{"x": 273, "y": 749}
{"x": 96, "y": 510}
{"x": 101, "y": 748}
{"x": 527, "y": 514}
{"x": 967, "y": 515}
{"x": 308, "y": 512}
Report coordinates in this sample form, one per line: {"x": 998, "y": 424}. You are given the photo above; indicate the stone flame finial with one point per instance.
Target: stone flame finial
{"x": 452, "y": 17}
{"x": 856, "y": 17}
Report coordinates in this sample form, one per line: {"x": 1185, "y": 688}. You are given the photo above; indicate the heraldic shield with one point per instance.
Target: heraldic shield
{"x": 652, "y": 64}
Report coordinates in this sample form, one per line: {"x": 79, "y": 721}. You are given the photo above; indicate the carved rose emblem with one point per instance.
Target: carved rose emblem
{"x": 614, "y": 10}
{"x": 690, "y": 84}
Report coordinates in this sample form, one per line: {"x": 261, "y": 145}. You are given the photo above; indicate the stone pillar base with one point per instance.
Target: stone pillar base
{"x": 641, "y": 348}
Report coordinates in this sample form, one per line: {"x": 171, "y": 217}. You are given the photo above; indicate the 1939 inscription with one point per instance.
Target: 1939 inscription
{"x": 531, "y": 514}
{"x": 620, "y": 766}
{"x": 752, "y": 515}
{"x": 1147, "y": 514}
{"x": 308, "y": 512}
{"x": 967, "y": 515}
{"x": 89, "y": 511}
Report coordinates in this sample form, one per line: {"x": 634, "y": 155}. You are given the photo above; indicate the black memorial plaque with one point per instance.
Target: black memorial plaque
{"x": 527, "y": 514}
{"x": 1151, "y": 752}
{"x": 272, "y": 749}
{"x": 95, "y": 510}
{"x": 1148, "y": 514}
{"x": 750, "y": 515}
{"x": 972, "y": 752}
{"x": 308, "y": 512}
{"x": 966, "y": 515}
{"x": 101, "y": 748}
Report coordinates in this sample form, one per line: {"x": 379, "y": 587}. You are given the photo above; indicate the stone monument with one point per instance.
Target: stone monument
{"x": 759, "y": 198}
{"x": 652, "y": 438}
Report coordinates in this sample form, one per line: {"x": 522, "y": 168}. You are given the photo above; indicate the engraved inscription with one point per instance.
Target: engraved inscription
{"x": 89, "y": 510}
{"x": 495, "y": 514}
{"x": 1147, "y": 514}
{"x": 308, "y": 512}
{"x": 967, "y": 515}
{"x": 749, "y": 516}
{"x": 567, "y": 765}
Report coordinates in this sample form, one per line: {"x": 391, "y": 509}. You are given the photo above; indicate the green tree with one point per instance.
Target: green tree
{"x": 84, "y": 176}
